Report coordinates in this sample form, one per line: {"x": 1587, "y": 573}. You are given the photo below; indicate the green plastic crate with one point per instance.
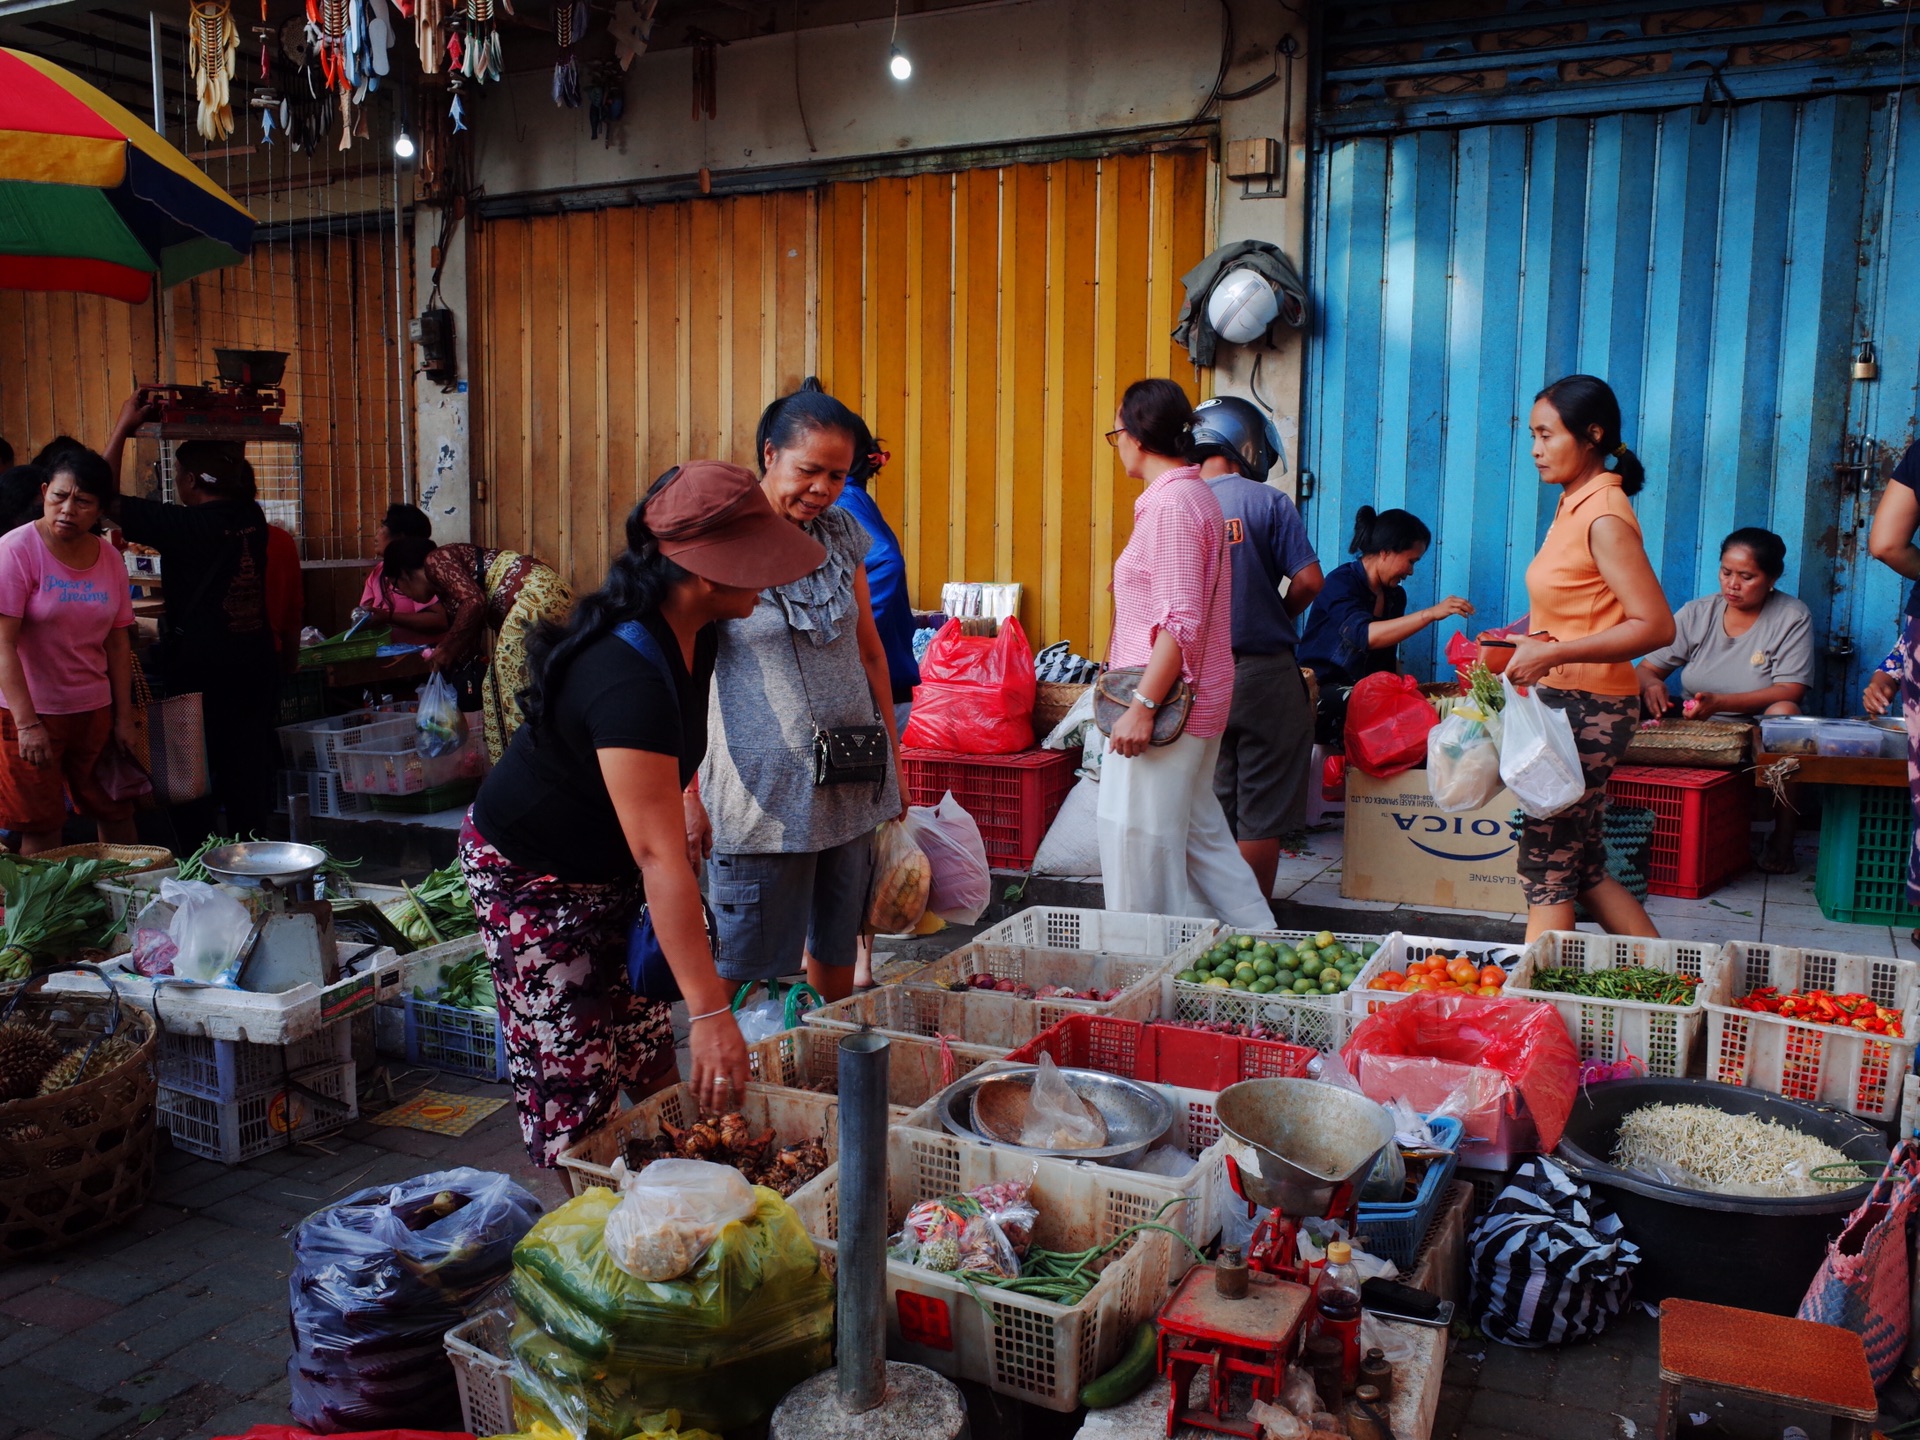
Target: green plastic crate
{"x": 302, "y": 696}
{"x": 426, "y": 802}
{"x": 339, "y": 650}
{"x": 1866, "y": 835}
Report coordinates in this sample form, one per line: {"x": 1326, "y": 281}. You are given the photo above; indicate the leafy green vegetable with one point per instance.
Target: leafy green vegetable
{"x": 438, "y": 908}
{"x": 338, "y": 873}
{"x": 467, "y": 984}
{"x": 52, "y": 909}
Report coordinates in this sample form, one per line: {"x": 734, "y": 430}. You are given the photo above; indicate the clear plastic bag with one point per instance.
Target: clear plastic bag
{"x": 153, "y": 948}
{"x": 442, "y": 728}
{"x": 670, "y": 1213}
{"x": 1058, "y": 1119}
{"x": 1463, "y": 767}
{"x": 902, "y": 880}
{"x": 209, "y": 929}
{"x": 596, "y": 1351}
{"x": 1538, "y": 759}
{"x": 379, "y": 1278}
{"x": 986, "y": 1230}
{"x": 1276, "y": 1422}
{"x": 962, "y": 885}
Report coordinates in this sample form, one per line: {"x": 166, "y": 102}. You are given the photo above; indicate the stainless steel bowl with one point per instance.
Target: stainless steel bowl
{"x": 272, "y": 863}
{"x": 1137, "y": 1115}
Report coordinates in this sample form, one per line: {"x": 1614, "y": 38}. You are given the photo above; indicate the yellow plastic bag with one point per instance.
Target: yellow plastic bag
{"x": 597, "y": 1351}
{"x": 902, "y": 880}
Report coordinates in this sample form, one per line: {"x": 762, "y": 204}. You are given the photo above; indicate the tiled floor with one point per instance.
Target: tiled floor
{"x": 1778, "y": 909}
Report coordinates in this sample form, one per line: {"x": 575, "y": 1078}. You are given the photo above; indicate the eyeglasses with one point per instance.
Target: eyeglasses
{"x": 1113, "y": 436}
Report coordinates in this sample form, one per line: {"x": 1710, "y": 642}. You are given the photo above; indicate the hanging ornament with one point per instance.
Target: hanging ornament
{"x": 456, "y": 82}
{"x": 606, "y": 98}
{"x": 216, "y": 41}
{"x": 427, "y": 17}
{"x": 569, "y": 25}
{"x": 632, "y": 29}
{"x": 327, "y": 39}
{"x": 480, "y": 54}
{"x": 705, "y": 49}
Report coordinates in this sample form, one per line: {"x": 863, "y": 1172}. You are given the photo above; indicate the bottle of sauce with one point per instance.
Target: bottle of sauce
{"x": 1337, "y": 1298}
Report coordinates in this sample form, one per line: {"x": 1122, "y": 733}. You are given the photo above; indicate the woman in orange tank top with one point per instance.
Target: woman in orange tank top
{"x": 1595, "y": 607}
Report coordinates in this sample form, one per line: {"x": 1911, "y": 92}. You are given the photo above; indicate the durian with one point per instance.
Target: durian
{"x": 76, "y": 1065}
{"x": 26, "y": 1054}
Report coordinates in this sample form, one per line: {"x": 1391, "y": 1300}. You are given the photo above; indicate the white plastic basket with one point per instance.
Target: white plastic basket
{"x": 792, "y": 1116}
{"x": 1800, "y": 1059}
{"x": 315, "y": 744}
{"x": 1398, "y": 951}
{"x": 1196, "y": 1130}
{"x": 1030, "y": 1349}
{"x": 917, "y": 1069}
{"x": 483, "y": 1372}
{"x": 999, "y": 1022}
{"x": 1661, "y": 1037}
{"x": 306, "y": 1107}
{"x": 1104, "y": 932}
{"x": 1322, "y": 1022}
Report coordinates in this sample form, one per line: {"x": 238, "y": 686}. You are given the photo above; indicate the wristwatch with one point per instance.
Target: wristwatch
{"x": 1151, "y": 705}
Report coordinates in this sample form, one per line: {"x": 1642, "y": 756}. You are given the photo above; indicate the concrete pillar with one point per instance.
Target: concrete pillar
{"x": 443, "y": 480}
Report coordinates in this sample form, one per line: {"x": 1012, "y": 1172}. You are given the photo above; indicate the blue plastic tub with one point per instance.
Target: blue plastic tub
{"x": 1394, "y": 1232}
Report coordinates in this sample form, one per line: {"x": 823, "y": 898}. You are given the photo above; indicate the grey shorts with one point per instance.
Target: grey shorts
{"x": 1266, "y": 753}
{"x": 773, "y": 909}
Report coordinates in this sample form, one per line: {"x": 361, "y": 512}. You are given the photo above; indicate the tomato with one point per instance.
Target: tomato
{"x": 1490, "y": 991}
{"x": 1492, "y": 975}
{"x": 1389, "y": 980}
{"x": 1460, "y": 971}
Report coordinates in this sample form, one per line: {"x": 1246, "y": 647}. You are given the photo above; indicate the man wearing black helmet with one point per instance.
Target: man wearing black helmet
{"x": 1267, "y": 753}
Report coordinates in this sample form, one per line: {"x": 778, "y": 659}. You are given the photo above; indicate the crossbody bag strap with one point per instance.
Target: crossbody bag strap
{"x": 637, "y": 635}
{"x": 801, "y": 666}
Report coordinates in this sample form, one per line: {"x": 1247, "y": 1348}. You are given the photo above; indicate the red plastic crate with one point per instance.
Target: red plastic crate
{"x": 1164, "y": 1054}
{"x": 1012, "y": 798}
{"x": 1700, "y": 838}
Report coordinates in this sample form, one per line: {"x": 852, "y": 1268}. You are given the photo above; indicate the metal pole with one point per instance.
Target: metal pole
{"x": 159, "y": 92}
{"x": 861, "y": 1318}
{"x": 403, "y": 261}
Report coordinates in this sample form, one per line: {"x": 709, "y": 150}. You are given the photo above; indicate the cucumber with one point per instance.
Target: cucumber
{"x": 1129, "y": 1375}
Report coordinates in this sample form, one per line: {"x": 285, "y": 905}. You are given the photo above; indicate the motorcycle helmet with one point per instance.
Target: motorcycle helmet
{"x": 1227, "y": 425}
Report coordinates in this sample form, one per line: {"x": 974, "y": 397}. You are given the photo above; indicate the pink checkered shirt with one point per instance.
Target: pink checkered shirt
{"x": 1172, "y": 577}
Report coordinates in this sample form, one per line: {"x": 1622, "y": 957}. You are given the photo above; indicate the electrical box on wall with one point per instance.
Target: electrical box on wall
{"x": 432, "y": 331}
{"x": 1251, "y": 159}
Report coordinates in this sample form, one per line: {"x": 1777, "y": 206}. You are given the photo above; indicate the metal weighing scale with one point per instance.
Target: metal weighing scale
{"x": 1297, "y": 1148}
{"x": 292, "y": 942}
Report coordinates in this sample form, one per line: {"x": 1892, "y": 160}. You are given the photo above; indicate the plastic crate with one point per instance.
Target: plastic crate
{"x": 1320, "y": 1022}
{"x": 1195, "y": 1130}
{"x": 232, "y": 1131}
{"x": 1076, "y": 970}
{"x": 314, "y": 744}
{"x": 326, "y": 796}
{"x": 429, "y": 802}
{"x": 1012, "y": 798}
{"x": 1801, "y": 1060}
{"x": 234, "y": 1070}
{"x": 1909, "y": 1106}
{"x": 301, "y": 696}
{"x": 985, "y": 1017}
{"x": 1395, "y": 1232}
{"x": 809, "y": 1059}
{"x": 455, "y": 1039}
{"x": 483, "y": 1372}
{"x": 1101, "y": 932}
{"x": 1661, "y": 1037}
{"x": 1026, "y": 1348}
{"x": 339, "y": 649}
{"x": 1398, "y": 951}
{"x": 402, "y": 770}
{"x": 1163, "y": 1053}
{"x": 1866, "y": 839}
{"x": 1701, "y": 828}
{"x": 792, "y": 1116}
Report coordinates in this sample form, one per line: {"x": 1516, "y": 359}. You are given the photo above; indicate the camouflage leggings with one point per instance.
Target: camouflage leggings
{"x": 1562, "y": 858}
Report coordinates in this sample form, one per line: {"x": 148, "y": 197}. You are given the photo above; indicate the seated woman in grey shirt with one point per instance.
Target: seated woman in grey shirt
{"x": 1743, "y": 652}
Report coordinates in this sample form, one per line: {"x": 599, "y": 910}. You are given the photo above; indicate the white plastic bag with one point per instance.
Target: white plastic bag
{"x": 1057, "y": 1118}
{"x": 443, "y": 729}
{"x": 1463, "y": 767}
{"x": 1538, "y": 758}
{"x": 1072, "y": 842}
{"x": 902, "y": 879}
{"x": 670, "y": 1213}
{"x": 208, "y": 930}
{"x": 948, "y": 836}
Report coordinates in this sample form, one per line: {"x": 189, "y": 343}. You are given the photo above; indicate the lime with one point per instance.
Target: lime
{"x": 1265, "y": 966}
{"x": 1245, "y": 942}
{"x": 1329, "y": 976}
{"x": 1304, "y": 986}
{"x": 1245, "y": 971}
{"x": 1283, "y": 952}
{"x": 1370, "y": 949}
{"x": 1216, "y": 983}
{"x": 1262, "y": 986}
{"x": 1324, "y": 939}
{"x": 1238, "y": 984}
{"x": 1189, "y": 977}
{"x": 1329, "y": 989}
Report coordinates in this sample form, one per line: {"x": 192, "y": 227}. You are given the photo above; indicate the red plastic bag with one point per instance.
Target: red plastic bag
{"x": 1525, "y": 1042}
{"x": 1387, "y": 724}
{"x": 294, "y": 1432}
{"x": 1333, "y": 777}
{"x": 975, "y": 694}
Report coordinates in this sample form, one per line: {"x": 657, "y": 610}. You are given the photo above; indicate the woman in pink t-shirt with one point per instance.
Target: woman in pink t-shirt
{"x": 66, "y": 613}
{"x": 413, "y": 623}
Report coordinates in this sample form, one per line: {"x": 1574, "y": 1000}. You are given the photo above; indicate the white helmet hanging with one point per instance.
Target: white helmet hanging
{"x": 1242, "y": 306}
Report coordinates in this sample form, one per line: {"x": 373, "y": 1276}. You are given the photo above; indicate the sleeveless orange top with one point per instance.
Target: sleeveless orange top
{"x": 1566, "y": 595}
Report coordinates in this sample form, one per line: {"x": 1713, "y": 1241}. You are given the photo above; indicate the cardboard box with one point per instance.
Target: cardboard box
{"x": 1403, "y": 849}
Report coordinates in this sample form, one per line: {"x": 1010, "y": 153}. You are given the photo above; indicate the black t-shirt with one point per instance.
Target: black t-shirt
{"x": 1907, "y": 473}
{"x": 545, "y": 805}
{"x": 215, "y": 556}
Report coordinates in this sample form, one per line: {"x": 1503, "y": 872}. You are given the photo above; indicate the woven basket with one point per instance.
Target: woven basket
{"x": 135, "y": 857}
{"x": 1051, "y": 702}
{"x": 1693, "y": 743}
{"x": 81, "y": 1160}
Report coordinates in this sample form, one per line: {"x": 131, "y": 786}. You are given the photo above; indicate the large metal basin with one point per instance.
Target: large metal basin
{"x": 1137, "y": 1115}
{"x": 1295, "y": 1142}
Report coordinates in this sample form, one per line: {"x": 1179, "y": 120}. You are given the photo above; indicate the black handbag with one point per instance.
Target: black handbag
{"x": 845, "y": 754}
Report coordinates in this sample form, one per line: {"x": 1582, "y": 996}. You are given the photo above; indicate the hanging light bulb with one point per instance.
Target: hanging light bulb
{"x": 403, "y": 144}
{"x": 899, "y": 64}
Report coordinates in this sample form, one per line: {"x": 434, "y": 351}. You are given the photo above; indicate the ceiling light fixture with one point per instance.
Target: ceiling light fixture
{"x": 898, "y": 65}
{"x": 403, "y": 144}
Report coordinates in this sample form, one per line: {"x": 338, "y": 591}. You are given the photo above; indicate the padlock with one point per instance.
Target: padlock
{"x": 1865, "y": 365}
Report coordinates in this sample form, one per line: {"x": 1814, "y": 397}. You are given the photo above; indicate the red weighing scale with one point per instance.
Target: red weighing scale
{"x": 1333, "y": 1136}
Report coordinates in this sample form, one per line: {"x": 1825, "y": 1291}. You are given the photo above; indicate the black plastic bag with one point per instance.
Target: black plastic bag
{"x": 378, "y": 1280}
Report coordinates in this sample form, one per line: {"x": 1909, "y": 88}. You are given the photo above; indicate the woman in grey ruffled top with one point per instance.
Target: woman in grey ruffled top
{"x": 790, "y": 861}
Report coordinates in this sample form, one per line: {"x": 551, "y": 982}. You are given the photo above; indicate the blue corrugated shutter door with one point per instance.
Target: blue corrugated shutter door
{"x": 1718, "y": 275}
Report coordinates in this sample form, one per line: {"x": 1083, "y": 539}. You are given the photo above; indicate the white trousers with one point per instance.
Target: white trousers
{"x": 1165, "y": 848}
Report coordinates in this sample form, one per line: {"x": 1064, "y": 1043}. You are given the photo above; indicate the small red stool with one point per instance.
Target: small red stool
{"x": 1821, "y": 1369}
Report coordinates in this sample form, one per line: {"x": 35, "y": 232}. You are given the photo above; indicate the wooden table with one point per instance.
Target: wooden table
{"x": 1796, "y": 1363}
{"x": 1841, "y": 770}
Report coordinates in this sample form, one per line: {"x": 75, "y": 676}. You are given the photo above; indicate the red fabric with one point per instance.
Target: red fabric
{"x": 30, "y": 102}
{"x": 286, "y": 595}
{"x": 975, "y": 695}
{"x": 294, "y": 1432}
{"x": 1525, "y": 1042}
{"x": 1387, "y": 724}
{"x": 1172, "y": 576}
{"x": 88, "y": 277}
